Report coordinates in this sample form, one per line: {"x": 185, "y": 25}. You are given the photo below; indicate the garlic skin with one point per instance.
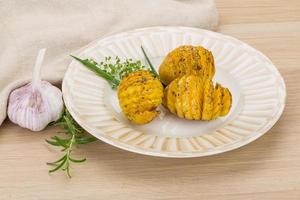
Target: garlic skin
{"x": 35, "y": 108}
{"x": 36, "y": 104}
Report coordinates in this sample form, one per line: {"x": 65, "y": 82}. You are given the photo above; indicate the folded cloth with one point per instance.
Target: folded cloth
{"x": 64, "y": 26}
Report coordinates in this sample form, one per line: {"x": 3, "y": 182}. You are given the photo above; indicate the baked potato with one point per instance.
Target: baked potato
{"x": 196, "y": 98}
{"x": 139, "y": 94}
{"x": 187, "y": 59}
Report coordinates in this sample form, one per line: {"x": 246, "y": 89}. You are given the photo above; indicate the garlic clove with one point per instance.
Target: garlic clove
{"x": 36, "y": 104}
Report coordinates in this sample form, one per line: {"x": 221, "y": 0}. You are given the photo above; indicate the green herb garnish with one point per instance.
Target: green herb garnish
{"x": 113, "y": 70}
{"x": 75, "y": 136}
{"x": 150, "y": 64}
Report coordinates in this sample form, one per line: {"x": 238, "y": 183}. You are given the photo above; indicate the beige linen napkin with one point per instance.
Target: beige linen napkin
{"x": 62, "y": 26}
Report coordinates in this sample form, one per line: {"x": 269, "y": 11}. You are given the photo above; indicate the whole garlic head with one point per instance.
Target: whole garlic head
{"x": 36, "y": 104}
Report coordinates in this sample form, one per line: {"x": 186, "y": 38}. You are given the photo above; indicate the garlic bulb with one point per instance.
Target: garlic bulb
{"x": 36, "y": 104}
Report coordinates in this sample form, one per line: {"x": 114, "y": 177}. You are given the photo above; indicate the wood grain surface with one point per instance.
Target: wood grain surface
{"x": 268, "y": 168}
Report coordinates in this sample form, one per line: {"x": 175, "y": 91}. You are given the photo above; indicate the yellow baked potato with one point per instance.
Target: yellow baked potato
{"x": 139, "y": 94}
{"x": 196, "y": 98}
{"x": 187, "y": 59}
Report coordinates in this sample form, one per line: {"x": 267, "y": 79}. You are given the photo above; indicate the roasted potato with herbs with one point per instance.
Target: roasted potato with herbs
{"x": 196, "y": 98}
{"x": 140, "y": 93}
{"x": 187, "y": 59}
{"x": 139, "y": 90}
{"x": 190, "y": 93}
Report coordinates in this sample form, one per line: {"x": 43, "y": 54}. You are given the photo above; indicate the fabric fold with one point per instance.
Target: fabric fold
{"x": 65, "y": 26}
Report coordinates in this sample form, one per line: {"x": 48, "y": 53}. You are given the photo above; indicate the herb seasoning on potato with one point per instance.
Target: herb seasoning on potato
{"x": 140, "y": 92}
{"x": 187, "y": 59}
{"x": 187, "y": 73}
{"x": 190, "y": 93}
{"x": 194, "y": 98}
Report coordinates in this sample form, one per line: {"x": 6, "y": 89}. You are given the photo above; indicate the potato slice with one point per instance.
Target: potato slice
{"x": 217, "y": 101}
{"x": 179, "y": 104}
{"x": 226, "y": 101}
{"x": 194, "y": 98}
{"x": 207, "y": 100}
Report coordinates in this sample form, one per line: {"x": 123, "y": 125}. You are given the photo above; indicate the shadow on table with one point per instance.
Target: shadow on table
{"x": 135, "y": 166}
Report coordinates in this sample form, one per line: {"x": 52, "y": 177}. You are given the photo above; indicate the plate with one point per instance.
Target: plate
{"x": 257, "y": 88}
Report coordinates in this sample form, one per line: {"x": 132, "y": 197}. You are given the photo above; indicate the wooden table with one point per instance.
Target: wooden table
{"x": 268, "y": 168}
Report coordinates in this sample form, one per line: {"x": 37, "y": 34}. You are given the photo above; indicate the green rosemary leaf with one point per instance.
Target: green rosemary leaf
{"x": 52, "y": 142}
{"x": 64, "y": 149}
{"x": 77, "y": 160}
{"x": 61, "y": 142}
{"x": 59, "y": 160}
{"x": 92, "y": 66}
{"x": 59, "y": 166}
{"x": 52, "y": 164}
{"x": 68, "y": 172}
{"x": 150, "y": 64}
{"x": 69, "y": 124}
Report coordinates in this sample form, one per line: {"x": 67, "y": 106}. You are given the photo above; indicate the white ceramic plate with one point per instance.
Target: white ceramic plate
{"x": 257, "y": 88}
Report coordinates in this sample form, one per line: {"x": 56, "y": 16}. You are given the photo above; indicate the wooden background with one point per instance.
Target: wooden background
{"x": 268, "y": 168}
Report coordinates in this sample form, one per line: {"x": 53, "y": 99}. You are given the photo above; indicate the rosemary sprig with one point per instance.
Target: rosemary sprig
{"x": 75, "y": 136}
